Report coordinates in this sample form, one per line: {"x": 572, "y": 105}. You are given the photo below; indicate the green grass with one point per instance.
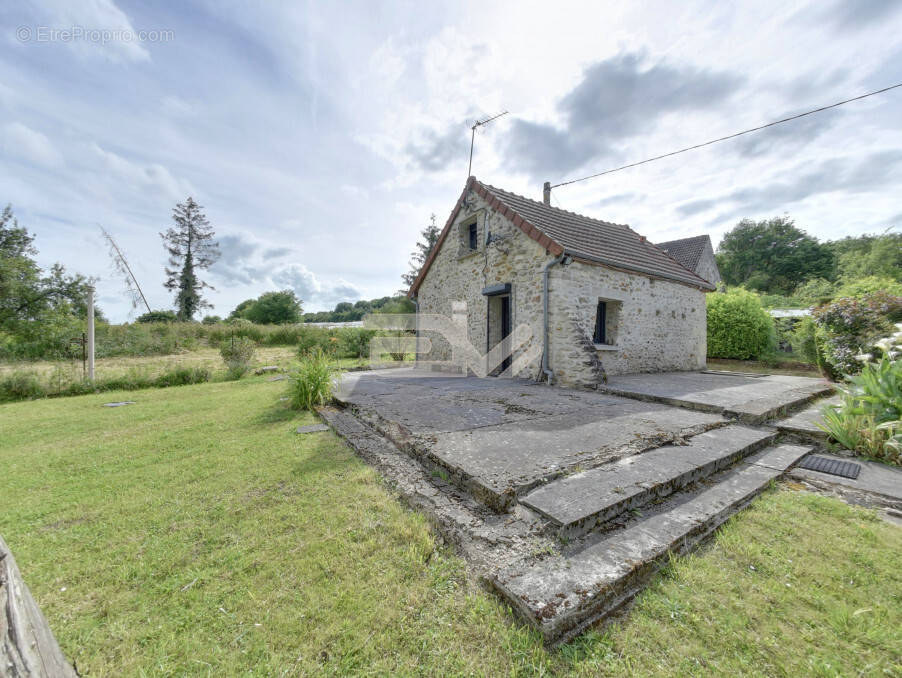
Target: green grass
{"x": 194, "y": 533}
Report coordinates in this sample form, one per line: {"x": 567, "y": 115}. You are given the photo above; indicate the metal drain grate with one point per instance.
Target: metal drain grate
{"x": 844, "y": 469}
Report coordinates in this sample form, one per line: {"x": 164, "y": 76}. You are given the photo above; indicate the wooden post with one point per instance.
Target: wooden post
{"x": 27, "y": 645}
{"x": 91, "y": 333}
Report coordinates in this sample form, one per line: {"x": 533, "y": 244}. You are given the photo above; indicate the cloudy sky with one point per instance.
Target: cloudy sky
{"x": 320, "y": 136}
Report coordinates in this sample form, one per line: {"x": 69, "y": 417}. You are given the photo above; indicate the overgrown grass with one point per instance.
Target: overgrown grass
{"x": 151, "y": 339}
{"x": 311, "y": 383}
{"x": 194, "y": 533}
{"x": 26, "y": 385}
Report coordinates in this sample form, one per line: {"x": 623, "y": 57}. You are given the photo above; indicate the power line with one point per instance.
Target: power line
{"x": 731, "y": 136}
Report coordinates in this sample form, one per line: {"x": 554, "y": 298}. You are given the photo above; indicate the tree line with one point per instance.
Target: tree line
{"x": 776, "y": 257}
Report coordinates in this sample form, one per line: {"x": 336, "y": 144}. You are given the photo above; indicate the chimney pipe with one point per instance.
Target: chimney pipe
{"x": 546, "y": 193}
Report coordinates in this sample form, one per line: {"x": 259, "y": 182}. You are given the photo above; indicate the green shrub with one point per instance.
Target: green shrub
{"x": 804, "y": 342}
{"x": 849, "y": 325}
{"x": 21, "y": 385}
{"x": 815, "y": 291}
{"x": 237, "y": 354}
{"x": 182, "y": 376}
{"x": 311, "y": 384}
{"x": 211, "y": 320}
{"x": 738, "y": 326}
{"x": 780, "y": 301}
{"x": 868, "y": 285}
{"x": 354, "y": 342}
{"x": 312, "y": 339}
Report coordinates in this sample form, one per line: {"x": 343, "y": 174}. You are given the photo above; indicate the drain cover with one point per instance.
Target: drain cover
{"x": 835, "y": 467}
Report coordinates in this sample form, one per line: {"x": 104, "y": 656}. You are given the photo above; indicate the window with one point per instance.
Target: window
{"x": 601, "y": 320}
{"x": 473, "y": 241}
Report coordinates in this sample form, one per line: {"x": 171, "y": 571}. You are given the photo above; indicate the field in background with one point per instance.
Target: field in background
{"x": 152, "y": 365}
{"x": 194, "y": 533}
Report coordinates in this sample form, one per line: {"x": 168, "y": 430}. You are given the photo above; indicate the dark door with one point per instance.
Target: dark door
{"x": 505, "y": 328}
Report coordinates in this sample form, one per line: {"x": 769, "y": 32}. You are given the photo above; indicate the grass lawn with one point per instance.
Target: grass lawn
{"x": 194, "y": 533}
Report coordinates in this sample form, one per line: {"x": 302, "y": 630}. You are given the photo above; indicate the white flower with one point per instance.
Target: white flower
{"x": 884, "y": 344}
{"x": 864, "y": 357}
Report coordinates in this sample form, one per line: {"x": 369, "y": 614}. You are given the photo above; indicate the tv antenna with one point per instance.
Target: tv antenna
{"x": 479, "y": 123}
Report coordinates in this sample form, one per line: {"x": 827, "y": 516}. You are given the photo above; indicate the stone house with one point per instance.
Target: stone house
{"x": 575, "y": 299}
{"x": 696, "y": 254}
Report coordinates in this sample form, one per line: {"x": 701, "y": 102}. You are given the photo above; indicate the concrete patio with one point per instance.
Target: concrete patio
{"x": 567, "y": 501}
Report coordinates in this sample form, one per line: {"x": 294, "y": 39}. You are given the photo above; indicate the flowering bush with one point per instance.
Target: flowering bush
{"x": 850, "y": 324}
{"x": 869, "y": 418}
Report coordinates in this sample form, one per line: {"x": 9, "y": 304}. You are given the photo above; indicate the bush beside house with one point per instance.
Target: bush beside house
{"x": 738, "y": 326}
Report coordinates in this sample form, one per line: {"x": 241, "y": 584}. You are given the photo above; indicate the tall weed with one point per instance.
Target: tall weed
{"x": 312, "y": 382}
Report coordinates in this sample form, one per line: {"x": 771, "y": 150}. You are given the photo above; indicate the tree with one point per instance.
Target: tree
{"x": 120, "y": 263}
{"x": 241, "y": 309}
{"x": 191, "y": 249}
{"x": 275, "y": 308}
{"x": 866, "y": 255}
{"x": 429, "y": 237}
{"x": 36, "y": 305}
{"x": 772, "y": 256}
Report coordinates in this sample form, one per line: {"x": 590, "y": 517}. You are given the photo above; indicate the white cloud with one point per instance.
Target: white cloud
{"x": 30, "y": 146}
{"x": 292, "y": 125}
{"x": 153, "y": 176}
{"x": 96, "y": 18}
{"x": 249, "y": 263}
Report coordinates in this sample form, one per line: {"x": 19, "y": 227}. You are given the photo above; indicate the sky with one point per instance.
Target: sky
{"x": 320, "y": 137}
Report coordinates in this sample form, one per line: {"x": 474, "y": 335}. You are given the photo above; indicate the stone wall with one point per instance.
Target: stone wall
{"x": 457, "y": 274}
{"x": 653, "y": 325}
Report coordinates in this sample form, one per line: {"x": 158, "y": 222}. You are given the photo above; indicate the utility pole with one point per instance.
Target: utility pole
{"x": 91, "y": 333}
{"x": 478, "y": 123}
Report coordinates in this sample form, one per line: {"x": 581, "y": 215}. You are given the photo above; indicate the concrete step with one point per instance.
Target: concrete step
{"x": 563, "y": 594}
{"x": 805, "y": 425}
{"x": 750, "y": 400}
{"x": 580, "y": 502}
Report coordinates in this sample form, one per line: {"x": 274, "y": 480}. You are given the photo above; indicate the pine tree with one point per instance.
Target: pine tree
{"x": 191, "y": 249}
{"x": 429, "y": 237}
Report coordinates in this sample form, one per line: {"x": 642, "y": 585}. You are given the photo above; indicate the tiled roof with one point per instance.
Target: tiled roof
{"x": 687, "y": 251}
{"x": 582, "y": 237}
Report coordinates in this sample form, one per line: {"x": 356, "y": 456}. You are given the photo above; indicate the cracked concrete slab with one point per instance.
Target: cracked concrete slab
{"x": 752, "y": 400}
{"x": 498, "y": 438}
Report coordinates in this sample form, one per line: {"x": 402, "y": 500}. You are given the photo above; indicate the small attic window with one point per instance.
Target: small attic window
{"x": 472, "y": 236}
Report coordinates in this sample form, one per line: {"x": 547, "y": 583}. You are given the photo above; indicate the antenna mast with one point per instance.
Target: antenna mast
{"x": 479, "y": 123}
